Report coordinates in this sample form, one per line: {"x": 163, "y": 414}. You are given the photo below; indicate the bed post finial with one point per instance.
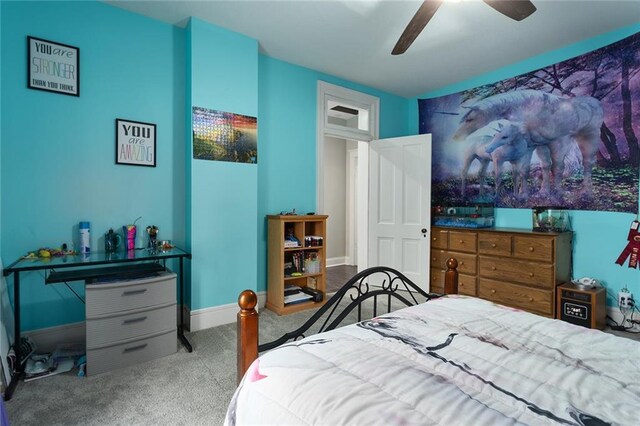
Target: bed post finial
{"x": 451, "y": 277}
{"x": 247, "y": 331}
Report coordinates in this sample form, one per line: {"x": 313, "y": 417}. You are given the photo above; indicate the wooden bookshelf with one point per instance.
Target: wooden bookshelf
{"x": 281, "y": 264}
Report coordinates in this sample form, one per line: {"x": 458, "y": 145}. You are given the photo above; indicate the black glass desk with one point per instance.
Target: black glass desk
{"x": 69, "y": 268}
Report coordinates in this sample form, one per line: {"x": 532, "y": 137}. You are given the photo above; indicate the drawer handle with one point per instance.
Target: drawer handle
{"x": 493, "y": 290}
{"x": 493, "y": 245}
{"x": 132, "y": 292}
{"x": 133, "y": 320}
{"x": 135, "y": 348}
{"x": 433, "y": 258}
{"x": 531, "y": 299}
{"x": 531, "y": 274}
{"x": 493, "y": 268}
{"x": 434, "y": 238}
{"x": 461, "y": 242}
{"x": 531, "y": 249}
{"x": 461, "y": 262}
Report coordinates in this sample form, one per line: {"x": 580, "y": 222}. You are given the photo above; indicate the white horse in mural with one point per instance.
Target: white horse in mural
{"x": 512, "y": 138}
{"x": 508, "y": 144}
{"x": 546, "y": 120}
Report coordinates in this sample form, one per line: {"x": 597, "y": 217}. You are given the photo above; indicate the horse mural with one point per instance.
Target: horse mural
{"x": 545, "y": 120}
{"x": 511, "y": 144}
{"x": 508, "y": 144}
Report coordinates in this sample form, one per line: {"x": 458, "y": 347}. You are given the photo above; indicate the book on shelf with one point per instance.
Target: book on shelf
{"x": 298, "y": 297}
{"x": 291, "y": 289}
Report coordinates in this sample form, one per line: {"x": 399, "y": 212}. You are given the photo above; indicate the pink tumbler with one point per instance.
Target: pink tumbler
{"x": 130, "y": 236}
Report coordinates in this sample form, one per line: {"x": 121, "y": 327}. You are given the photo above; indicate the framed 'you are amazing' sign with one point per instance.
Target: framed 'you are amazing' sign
{"x": 53, "y": 67}
{"x": 135, "y": 143}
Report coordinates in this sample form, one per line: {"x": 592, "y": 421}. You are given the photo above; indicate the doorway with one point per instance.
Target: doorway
{"x": 347, "y": 122}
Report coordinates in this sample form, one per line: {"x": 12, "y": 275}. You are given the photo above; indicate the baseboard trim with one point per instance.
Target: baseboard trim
{"x": 46, "y": 339}
{"x": 336, "y": 261}
{"x": 201, "y": 319}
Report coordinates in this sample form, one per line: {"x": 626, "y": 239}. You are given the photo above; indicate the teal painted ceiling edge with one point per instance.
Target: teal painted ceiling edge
{"x": 535, "y": 62}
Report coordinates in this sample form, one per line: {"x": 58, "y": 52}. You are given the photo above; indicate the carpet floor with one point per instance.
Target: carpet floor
{"x": 183, "y": 388}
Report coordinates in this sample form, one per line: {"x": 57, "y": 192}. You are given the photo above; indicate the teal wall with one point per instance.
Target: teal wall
{"x": 57, "y": 161}
{"x": 58, "y": 164}
{"x": 287, "y": 100}
{"x": 223, "y": 75}
{"x": 599, "y": 237}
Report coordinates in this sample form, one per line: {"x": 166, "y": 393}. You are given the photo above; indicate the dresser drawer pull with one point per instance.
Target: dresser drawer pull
{"x": 134, "y": 320}
{"x": 461, "y": 284}
{"x": 433, "y": 258}
{"x": 434, "y": 238}
{"x": 132, "y": 292}
{"x": 493, "y": 268}
{"x": 493, "y": 245}
{"x": 493, "y": 291}
{"x": 461, "y": 262}
{"x": 531, "y": 274}
{"x": 531, "y": 249}
{"x": 531, "y": 299}
{"x": 461, "y": 241}
{"x": 135, "y": 348}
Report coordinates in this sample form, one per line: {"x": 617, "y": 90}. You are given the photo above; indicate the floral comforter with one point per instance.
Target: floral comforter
{"x": 456, "y": 361}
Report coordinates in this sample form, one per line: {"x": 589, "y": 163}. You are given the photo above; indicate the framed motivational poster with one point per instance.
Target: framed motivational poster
{"x": 135, "y": 143}
{"x": 53, "y": 67}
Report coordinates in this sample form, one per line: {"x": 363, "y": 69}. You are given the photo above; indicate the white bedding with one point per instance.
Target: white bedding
{"x": 454, "y": 361}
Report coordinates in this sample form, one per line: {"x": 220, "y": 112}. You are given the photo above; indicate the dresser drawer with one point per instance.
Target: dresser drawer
{"x": 517, "y": 296}
{"x": 467, "y": 285}
{"x": 436, "y": 284}
{"x": 125, "y": 354}
{"x": 466, "y": 262}
{"x": 463, "y": 241}
{"x": 494, "y": 244}
{"x": 112, "y": 329}
{"x": 534, "y": 248}
{"x": 108, "y": 298}
{"x": 536, "y": 274}
{"x": 439, "y": 238}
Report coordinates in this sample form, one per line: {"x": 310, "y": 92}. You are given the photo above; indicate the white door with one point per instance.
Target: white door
{"x": 400, "y": 206}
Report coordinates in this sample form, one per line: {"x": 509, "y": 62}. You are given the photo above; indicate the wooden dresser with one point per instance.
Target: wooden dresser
{"x": 512, "y": 267}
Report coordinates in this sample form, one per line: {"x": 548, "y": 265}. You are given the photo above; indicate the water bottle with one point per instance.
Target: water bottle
{"x": 85, "y": 239}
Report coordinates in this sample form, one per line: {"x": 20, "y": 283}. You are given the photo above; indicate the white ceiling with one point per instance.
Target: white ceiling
{"x": 353, "y": 39}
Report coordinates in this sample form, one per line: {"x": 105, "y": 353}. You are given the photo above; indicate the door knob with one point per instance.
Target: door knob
{"x": 424, "y": 230}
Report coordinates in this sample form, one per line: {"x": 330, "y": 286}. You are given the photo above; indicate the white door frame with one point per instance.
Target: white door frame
{"x": 351, "y": 214}
{"x": 330, "y": 92}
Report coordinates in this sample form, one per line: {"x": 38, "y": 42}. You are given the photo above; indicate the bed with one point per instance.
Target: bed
{"x": 451, "y": 360}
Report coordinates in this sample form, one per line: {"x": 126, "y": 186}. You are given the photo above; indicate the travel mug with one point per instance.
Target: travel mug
{"x": 130, "y": 236}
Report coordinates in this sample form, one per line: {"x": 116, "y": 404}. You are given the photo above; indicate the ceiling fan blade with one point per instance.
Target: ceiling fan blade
{"x": 416, "y": 25}
{"x": 514, "y": 9}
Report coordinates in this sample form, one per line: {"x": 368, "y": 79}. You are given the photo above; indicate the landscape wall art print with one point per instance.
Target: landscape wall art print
{"x": 565, "y": 136}
{"x": 224, "y": 136}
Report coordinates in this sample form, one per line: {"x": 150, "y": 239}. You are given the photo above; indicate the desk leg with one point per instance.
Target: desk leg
{"x": 17, "y": 375}
{"x": 181, "y": 335}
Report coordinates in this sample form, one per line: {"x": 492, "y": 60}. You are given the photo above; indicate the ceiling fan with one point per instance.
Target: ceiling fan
{"x": 514, "y": 9}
